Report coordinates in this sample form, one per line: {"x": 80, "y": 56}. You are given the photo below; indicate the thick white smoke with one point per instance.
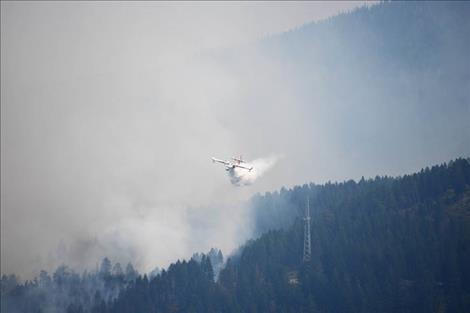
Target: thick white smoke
{"x": 244, "y": 177}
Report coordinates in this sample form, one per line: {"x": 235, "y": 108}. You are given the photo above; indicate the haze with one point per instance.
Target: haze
{"x": 111, "y": 111}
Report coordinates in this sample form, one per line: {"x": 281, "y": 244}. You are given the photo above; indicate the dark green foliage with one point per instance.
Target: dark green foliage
{"x": 184, "y": 287}
{"x": 382, "y": 245}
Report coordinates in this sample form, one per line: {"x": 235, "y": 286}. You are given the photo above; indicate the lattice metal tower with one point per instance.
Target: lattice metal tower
{"x": 307, "y": 245}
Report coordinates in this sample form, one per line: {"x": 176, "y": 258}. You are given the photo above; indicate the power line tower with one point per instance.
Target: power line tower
{"x": 307, "y": 245}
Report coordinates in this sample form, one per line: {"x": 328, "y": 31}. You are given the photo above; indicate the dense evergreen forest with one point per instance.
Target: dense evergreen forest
{"x": 378, "y": 245}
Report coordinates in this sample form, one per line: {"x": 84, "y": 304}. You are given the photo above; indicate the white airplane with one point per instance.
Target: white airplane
{"x": 238, "y": 162}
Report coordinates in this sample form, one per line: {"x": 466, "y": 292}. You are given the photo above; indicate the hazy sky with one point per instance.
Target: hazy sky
{"x": 111, "y": 111}
{"x": 109, "y": 120}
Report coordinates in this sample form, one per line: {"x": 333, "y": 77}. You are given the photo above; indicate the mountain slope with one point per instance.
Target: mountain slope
{"x": 379, "y": 90}
{"x": 382, "y": 245}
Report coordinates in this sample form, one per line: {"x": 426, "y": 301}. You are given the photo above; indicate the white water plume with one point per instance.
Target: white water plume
{"x": 244, "y": 177}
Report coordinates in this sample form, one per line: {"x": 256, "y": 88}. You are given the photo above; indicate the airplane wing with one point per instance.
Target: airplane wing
{"x": 245, "y": 167}
{"x": 220, "y": 161}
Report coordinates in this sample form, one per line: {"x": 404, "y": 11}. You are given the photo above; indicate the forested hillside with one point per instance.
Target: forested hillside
{"x": 379, "y": 245}
{"x": 66, "y": 289}
{"x": 382, "y": 245}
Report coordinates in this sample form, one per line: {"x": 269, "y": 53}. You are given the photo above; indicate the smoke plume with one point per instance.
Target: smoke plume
{"x": 109, "y": 112}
